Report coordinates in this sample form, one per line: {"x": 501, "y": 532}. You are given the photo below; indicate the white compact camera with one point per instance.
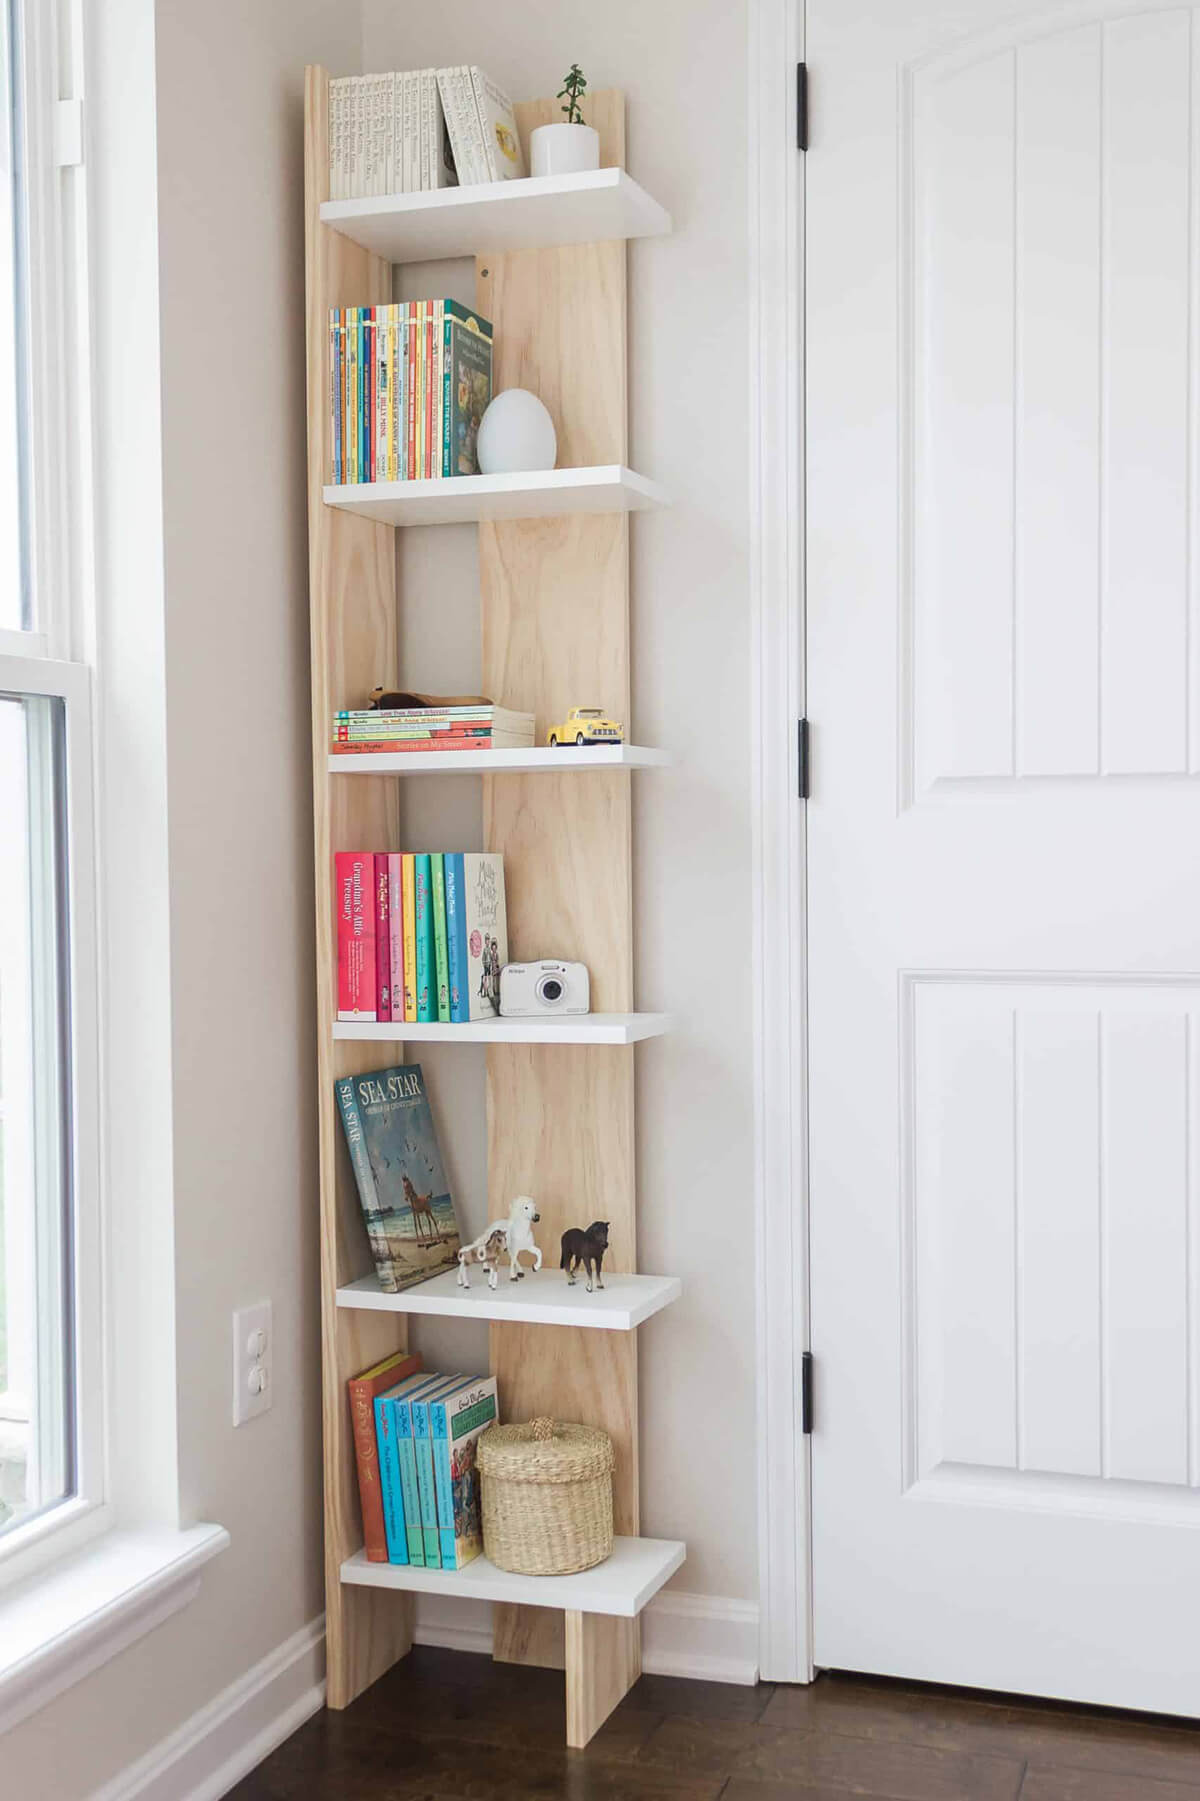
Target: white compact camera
{"x": 545, "y": 987}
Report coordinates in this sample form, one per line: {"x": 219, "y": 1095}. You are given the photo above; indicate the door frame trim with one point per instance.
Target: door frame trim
{"x": 775, "y": 170}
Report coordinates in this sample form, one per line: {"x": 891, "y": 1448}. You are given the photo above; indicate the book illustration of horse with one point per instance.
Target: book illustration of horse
{"x": 422, "y": 1212}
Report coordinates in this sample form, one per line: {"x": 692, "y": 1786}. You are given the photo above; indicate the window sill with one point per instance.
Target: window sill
{"x": 62, "y": 1623}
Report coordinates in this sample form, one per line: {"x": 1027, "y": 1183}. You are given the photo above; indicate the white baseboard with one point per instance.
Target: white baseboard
{"x": 224, "y": 1741}
{"x": 706, "y": 1637}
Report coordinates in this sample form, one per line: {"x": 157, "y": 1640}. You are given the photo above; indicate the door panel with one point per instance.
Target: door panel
{"x": 1003, "y": 456}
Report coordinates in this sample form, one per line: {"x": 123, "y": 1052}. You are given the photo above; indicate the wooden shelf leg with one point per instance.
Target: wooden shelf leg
{"x": 604, "y": 1660}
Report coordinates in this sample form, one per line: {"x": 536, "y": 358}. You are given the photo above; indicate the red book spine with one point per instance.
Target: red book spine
{"x": 363, "y": 1390}
{"x": 383, "y": 942}
{"x": 410, "y": 745}
{"x": 396, "y": 932}
{"x": 354, "y": 875}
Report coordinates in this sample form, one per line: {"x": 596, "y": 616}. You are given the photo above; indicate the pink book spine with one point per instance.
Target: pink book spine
{"x": 396, "y": 932}
{"x": 383, "y": 942}
{"x": 354, "y": 875}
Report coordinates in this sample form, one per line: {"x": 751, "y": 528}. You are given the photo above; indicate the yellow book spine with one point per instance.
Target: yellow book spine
{"x": 408, "y": 883}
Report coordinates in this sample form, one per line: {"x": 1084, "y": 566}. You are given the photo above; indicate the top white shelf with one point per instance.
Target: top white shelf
{"x": 536, "y": 214}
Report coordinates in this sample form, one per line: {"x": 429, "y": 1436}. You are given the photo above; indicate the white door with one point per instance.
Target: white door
{"x": 1003, "y": 390}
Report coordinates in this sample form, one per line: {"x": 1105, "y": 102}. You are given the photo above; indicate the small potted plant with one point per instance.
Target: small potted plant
{"x": 570, "y": 148}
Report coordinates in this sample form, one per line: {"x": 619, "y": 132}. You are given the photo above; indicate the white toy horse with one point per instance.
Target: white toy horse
{"x": 514, "y": 1235}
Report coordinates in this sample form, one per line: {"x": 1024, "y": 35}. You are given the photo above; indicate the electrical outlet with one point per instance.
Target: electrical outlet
{"x": 253, "y": 1356}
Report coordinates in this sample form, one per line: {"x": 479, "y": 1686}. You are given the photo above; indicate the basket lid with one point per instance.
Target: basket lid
{"x": 544, "y": 1450}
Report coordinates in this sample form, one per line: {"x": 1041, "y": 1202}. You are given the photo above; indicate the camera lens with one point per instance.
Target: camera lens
{"x": 552, "y": 989}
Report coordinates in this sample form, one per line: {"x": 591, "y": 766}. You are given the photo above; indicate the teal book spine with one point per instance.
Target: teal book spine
{"x": 408, "y": 1484}
{"x": 426, "y": 953}
{"x": 456, "y": 937}
{"x": 439, "y": 1433}
{"x": 423, "y": 1446}
{"x": 440, "y": 948}
{"x": 389, "y": 1481}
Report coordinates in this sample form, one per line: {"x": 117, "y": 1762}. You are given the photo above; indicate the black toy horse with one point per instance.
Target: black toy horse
{"x": 586, "y": 1250}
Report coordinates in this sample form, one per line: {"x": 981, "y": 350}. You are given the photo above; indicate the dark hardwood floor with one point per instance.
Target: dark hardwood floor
{"x": 446, "y": 1726}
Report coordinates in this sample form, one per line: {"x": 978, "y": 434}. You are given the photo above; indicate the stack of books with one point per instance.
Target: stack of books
{"x": 474, "y": 726}
{"x": 408, "y": 386}
{"x": 419, "y": 129}
{"x": 422, "y": 936}
{"x": 414, "y": 1443}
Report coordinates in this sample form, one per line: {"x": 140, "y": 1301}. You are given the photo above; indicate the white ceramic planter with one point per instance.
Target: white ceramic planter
{"x": 563, "y": 149}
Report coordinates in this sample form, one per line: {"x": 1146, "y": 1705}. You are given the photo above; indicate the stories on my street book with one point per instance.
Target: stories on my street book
{"x": 402, "y": 1186}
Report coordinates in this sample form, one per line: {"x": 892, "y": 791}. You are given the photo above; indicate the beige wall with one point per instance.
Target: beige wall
{"x": 230, "y": 126}
{"x": 686, "y": 84}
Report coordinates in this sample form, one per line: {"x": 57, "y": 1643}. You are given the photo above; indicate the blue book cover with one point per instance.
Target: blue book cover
{"x": 426, "y": 1484}
{"x": 443, "y": 1488}
{"x": 426, "y": 960}
{"x": 389, "y": 1481}
{"x": 402, "y": 1415}
{"x": 456, "y": 937}
{"x": 402, "y": 1188}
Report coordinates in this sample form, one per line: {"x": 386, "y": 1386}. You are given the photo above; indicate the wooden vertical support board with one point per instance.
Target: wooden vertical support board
{"x": 555, "y": 603}
{"x": 352, "y": 586}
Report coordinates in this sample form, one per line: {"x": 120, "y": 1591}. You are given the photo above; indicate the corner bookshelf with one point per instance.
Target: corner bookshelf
{"x": 554, "y": 569}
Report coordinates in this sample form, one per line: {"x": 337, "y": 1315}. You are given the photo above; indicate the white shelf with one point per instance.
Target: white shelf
{"x": 529, "y": 494}
{"x": 585, "y": 1028}
{"x": 540, "y": 1298}
{"x": 621, "y": 1585}
{"x": 535, "y": 214}
{"x": 538, "y": 759}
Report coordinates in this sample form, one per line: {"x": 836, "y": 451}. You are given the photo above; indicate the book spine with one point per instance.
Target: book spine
{"x": 383, "y": 942}
{"x": 408, "y": 1484}
{"x": 396, "y": 933}
{"x": 411, "y": 336}
{"x": 425, "y": 1485}
{"x": 456, "y": 937}
{"x": 369, "y": 1464}
{"x": 364, "y": 1178}
{"x": 426, "y": 962}
{"x": 454, "y": 742}
{"x": 441, "y": 964}
{"x": 430, "y": 385}
{"x": 471, "y": 125}
{"x": 409, "y": 879}
{"x": 381, "y": 393}
{"x": 389, "y": 1476}
{"x": 333, "y": 436}
{"x": 487, "y": 150}
{"x": 354, "y": 887}
{"x": 447, "y": 392}
{"x": 443, "y": 1486}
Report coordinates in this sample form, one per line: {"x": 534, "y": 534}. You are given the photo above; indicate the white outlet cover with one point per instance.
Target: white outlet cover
{"x": 252, "y": 1375}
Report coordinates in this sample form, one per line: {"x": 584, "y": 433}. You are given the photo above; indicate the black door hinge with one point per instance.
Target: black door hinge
{"x": 802, "y": 758}
{"x": 802, "y": 106}
{"x": 806, "y": 1392}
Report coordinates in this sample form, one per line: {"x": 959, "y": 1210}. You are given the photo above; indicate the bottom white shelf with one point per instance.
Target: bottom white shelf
{"x": 621, "y": 1585}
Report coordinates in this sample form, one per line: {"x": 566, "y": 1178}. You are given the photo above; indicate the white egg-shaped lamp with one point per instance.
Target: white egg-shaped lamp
{"x": 516, "y": 433}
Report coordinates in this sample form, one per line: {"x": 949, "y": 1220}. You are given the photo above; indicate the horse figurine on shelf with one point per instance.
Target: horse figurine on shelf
{"x": 514, "y": 1235}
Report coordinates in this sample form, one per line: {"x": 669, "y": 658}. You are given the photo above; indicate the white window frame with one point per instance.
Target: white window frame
{"x": 52, "y": 659}
{"x": 81, "y": 1586}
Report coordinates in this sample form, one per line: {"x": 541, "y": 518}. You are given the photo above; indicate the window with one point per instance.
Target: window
{"x": 51, "y": 1390}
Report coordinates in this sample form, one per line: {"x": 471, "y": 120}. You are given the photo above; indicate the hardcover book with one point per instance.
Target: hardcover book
{"x": 426, "y": 952}
{"x": 456, "y": 1421}
{"x": 383, "y": 941}
{"x": 426, "y": 1483}
{"x": 475, "y": 902}
{"x": 363, "y": 1391}
{"x": 402, "y": 1187}
{"x": 437, "y": 876}
{"x": 354, "y": 876}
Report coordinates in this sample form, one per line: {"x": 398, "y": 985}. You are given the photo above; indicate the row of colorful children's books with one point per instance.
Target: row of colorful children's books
{"x": 422, "y": 936}
{"x": 417, "y": 129}
{"x": 414, "y": 1441}
{"x": 408, "y": 386}
{"x": 475, "y": 726}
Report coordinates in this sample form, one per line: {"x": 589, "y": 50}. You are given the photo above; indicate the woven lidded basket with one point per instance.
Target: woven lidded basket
{"x": 547, "y": 1497}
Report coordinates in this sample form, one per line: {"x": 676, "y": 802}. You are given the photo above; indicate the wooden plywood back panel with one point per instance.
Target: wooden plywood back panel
{"x": 353, "y": 615}
{"x": 555, "y": 619}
